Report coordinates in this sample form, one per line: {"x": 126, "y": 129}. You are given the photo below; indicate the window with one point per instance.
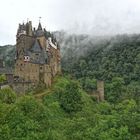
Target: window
{"x": 26, "y": 58}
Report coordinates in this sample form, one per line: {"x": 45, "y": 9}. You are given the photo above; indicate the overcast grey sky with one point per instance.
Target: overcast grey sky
{"x": 97, "y": 17}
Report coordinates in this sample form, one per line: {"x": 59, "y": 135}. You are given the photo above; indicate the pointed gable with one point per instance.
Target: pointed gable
{"x": 36, "y": 48}
{"x": 38, "y": 54}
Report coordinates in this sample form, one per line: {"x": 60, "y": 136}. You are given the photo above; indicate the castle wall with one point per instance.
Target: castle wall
{"x": 22, "y": 87}
{"x": 27, "y": 70}
{"x": 100, "y": 89}
{"x": 54, "y": 61}
{"x": 58, "y": 61}
{"x": 47, "y": 75}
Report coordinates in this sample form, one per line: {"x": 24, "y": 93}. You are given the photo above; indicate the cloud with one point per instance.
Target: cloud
{"x": 97, "y": 17}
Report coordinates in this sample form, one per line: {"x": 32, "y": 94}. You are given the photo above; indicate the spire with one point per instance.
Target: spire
{"x": 39, "y": 26}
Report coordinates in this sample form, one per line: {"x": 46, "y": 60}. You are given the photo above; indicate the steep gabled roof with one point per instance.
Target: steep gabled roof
{"x": 36, "y": 48}
{"x": 41, "y": 59}
{"x": 41, "y": 55}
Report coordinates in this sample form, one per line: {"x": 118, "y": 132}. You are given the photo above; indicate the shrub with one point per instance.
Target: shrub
{"x": 71, "y": 98}
{"x": 7, "y": 95}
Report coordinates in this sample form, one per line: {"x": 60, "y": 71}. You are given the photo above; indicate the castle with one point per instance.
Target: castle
{"x": 37, "y": 61}
{"x": 37, "y": 57}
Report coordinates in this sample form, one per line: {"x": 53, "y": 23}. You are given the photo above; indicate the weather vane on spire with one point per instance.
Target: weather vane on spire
{"x": 40, "y": 19}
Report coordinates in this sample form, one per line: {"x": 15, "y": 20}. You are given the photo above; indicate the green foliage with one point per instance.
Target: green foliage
{"x": 88, "y": 84}
{"x": 133, "y": 91}
{"x": 71, "y": 98}
{"x": 106, "y": 58}
{"x": 2, "y": 78}
{"x": 115, "y": 90}
{"x": 116, "y": 60}
{"x": 28, "y": 118}
{"x": 7, "y": 96}
{"x": 8, "y": 53}
{"x": 67, "y": 112}
{"x": 29, "y": 106}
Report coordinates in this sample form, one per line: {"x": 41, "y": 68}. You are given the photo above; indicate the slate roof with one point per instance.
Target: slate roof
{"x": 39, "y": 31}
{"x": 37, "y": 54}
{"x": 6, "y": 71}
{"x": 27, "y": 53}
{"x": 41, "y": 58}
{"x": 36, "y": 48}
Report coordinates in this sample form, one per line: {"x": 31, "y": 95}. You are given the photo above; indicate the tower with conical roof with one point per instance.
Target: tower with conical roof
{"x": 41, "y": 35}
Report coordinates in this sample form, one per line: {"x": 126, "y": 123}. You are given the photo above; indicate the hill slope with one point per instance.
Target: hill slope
{"x": 7, "y": 52}
{"x": 66, "y": 113}
{"x": 103, "y": 58}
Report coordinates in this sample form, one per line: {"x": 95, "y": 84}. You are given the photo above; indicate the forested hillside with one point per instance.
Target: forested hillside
{"x": 103, "y": 58}
{"x": 116, "y": 60}
{"x": 7, "y": 52}
{"x": 67, "y": 111}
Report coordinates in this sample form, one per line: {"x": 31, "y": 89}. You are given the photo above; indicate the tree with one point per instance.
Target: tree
{"x": 71, "y": 98}
{"x": 115, "y": 90}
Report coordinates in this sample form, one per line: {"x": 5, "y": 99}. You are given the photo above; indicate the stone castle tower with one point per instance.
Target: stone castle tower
{"x": 37, "y": 55}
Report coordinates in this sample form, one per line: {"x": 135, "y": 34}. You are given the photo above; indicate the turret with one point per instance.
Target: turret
{"x": 39, "y": 31}
{"x": 21, "y": 30}
{"x": 41, "y": 36}
{"x": 39, "y": 26}
{"x": 29, "y": 28}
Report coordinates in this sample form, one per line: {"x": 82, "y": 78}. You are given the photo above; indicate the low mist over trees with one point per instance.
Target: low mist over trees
{"x": 66, "y": 111}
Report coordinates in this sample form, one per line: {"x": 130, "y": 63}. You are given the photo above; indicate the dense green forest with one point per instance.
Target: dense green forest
{"x": 7, "y": 53}
{"x": 67, "y": 111}
{"x": 116, "y": 60}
